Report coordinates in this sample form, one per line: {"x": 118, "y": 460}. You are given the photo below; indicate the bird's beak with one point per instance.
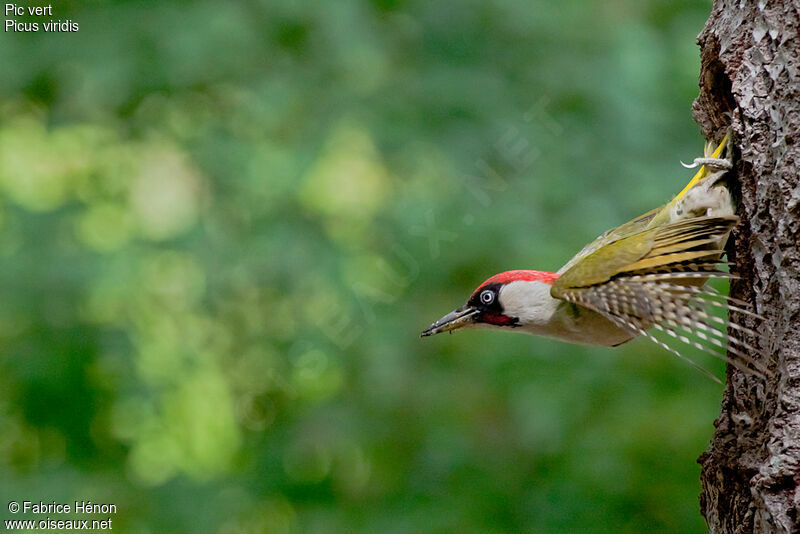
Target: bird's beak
{"x": 454, "y": 320}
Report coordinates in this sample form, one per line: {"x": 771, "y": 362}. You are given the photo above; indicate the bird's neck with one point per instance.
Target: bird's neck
{"x": 541, "y": 314}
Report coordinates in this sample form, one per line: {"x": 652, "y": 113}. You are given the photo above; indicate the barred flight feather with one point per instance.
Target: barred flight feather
{"x": 641, "y": 302}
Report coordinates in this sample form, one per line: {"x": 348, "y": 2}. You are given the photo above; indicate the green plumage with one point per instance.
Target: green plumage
{"x": 650, "y": 272}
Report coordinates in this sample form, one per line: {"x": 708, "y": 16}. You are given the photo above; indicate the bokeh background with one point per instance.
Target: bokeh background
{"x": 224, "y": 224}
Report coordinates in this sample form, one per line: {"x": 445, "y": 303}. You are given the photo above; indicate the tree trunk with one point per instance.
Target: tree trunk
{"x": 749, "y": 82}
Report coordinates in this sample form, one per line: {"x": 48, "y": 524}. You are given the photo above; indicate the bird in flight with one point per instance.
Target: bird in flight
{"x": 648, "y": 274}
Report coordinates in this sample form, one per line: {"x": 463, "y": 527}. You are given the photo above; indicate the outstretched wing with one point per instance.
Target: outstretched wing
{"x": 654, "y": 218}
{"x": 678, "y": 247}
{"x": 654, "y": 279}
{"x": 628, "y": 229}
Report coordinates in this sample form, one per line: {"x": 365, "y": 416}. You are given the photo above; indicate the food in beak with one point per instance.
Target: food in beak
{"x": 452, "y": 321}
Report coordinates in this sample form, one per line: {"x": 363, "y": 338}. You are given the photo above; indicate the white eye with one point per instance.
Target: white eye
{"x": 487, "y": 296}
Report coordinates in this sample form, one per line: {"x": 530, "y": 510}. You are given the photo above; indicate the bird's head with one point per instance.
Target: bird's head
{"x": 506, "y": 300}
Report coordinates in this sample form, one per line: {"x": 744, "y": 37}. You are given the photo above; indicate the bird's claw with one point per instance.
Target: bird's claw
{"x": 717, "y": 164}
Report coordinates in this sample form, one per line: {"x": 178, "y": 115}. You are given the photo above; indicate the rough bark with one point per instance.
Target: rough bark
{"x": 749, "y": 81}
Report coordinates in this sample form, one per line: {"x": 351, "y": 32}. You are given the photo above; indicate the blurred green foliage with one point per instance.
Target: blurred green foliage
{"x": 223, "y": 225}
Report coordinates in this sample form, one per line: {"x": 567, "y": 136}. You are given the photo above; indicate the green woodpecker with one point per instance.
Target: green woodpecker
{"x": 647, "y": 274}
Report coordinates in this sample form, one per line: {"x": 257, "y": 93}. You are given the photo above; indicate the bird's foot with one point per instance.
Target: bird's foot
{"x": 714, "y": 164}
